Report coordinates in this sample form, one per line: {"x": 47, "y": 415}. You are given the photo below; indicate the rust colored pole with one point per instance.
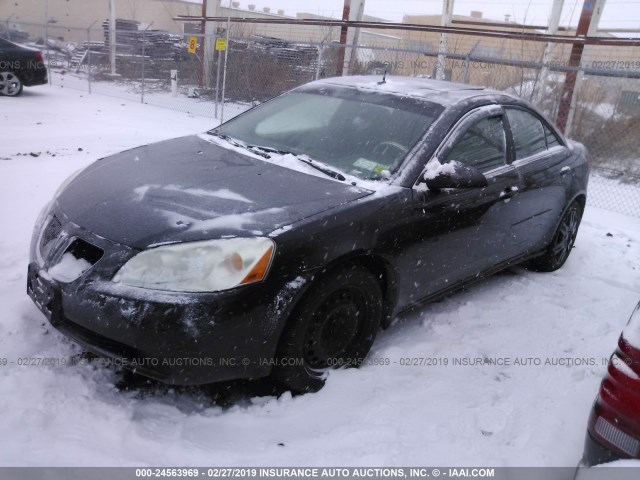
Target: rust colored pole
{"x": 344, "y": 30}
{"x": 575, "y": 59}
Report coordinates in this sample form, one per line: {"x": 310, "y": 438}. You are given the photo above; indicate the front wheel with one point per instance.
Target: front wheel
{"x": 334, "y": 326}
{"x": 10, "y": 84}
{"x": 563, "y": 240}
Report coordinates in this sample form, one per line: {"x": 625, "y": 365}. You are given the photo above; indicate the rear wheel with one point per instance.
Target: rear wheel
{"x": 334, "y": 326}
{"x": 563, "y": 240}
{"x": 10, "y": 84}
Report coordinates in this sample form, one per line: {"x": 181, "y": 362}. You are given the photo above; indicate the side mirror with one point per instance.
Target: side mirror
{"x": 452, "y": 175}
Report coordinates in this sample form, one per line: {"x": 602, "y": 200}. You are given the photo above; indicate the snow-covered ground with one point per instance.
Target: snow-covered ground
{"x": 495, "y": 414}
{"x": 133, "y": 91}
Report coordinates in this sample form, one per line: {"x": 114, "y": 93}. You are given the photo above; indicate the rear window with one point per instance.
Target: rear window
{"x": 483, "y": 146}
{"x": 528, "y": 134}
{"x": 552, "y": 139}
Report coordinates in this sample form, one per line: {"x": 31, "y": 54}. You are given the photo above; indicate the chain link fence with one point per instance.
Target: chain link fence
{"x": 187, "y": 72}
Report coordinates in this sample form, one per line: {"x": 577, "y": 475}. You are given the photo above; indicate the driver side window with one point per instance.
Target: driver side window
{"x": 483, "y": 146}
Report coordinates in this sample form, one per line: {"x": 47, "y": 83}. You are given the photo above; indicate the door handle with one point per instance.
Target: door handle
{"x": 508, "y": 193}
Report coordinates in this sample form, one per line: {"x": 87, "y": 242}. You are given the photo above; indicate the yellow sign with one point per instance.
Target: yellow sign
{"x": 193, "y": 44}
{"x": 221, "y": 44}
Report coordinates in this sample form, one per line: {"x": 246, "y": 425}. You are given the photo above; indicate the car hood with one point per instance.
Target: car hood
{"x": 190, "y": 189}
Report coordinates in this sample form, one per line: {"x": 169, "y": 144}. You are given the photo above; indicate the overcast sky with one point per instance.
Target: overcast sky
{"x": 617, "y": 13}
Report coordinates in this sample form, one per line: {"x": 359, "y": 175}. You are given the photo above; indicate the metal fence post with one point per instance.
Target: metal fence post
{"x": 143, "y": 62}
{"x": 218, "y": 82}
{"x": 46, "y": 38}
{"x": 226, "y": 58}
{"x": 319, "y": 66}
{"x": 88, "y": 54}
{"x": 142, "y": 73}
{"x": 445, "y": 21}
{"x": 467, "y": 63}
{"x": 554, "y": 24}
{"x": 89, "y": 57}
{"x": 465, "y": 73}
{"x": 9, "y": 27}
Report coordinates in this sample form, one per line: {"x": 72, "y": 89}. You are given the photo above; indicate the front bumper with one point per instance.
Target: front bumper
{"x": 176, "y": 338}
{"x": 188, "y": 340}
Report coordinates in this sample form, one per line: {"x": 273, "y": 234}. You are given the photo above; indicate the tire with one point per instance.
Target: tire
{"x": 10, "y": 84}
{"x": 334, "y": 326}
{"x": 564, "y": 238}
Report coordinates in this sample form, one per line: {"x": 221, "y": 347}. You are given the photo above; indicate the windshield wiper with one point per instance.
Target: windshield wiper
{"x": 264, "y": 152}
{"x": 312, "y": 163}
{"x": 238, "y": 144}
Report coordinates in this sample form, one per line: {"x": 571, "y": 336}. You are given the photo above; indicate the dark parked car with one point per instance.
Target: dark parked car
{"x": 613, "y": 432}
{"x": 19, "y": 67}
{"x": 281, "y": 241}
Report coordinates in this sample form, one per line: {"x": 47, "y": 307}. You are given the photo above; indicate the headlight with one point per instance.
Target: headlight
{"x": 206, "y": 266}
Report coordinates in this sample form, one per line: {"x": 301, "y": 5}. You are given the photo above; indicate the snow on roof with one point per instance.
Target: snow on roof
{"x": 410, "y": 86}
{"x": 435, "y": 91}
{"x": 401, "y": 84}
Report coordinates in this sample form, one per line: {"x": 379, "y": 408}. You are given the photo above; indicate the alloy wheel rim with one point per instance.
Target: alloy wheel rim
{"x": 566, "y": 236}
{"x": 9, "y": 83}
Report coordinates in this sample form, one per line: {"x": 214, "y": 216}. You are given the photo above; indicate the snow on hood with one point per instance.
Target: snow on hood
{"x": 190, "y": 189}
{"x": 293, "y": 162}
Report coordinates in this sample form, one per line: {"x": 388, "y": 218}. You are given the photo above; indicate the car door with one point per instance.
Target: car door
{"x": 460, "y": 233}
{"x": 543, "y": 163}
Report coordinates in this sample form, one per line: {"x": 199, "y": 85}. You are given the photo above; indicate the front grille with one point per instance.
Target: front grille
{"x": 78, "y": 257}
{"x": 615, "y": 436}
{"x": 82, "y": 249}
{"x": 51, "y": 232}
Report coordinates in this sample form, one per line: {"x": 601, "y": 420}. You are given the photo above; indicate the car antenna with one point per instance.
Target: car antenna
{"x": 384, "y": 79}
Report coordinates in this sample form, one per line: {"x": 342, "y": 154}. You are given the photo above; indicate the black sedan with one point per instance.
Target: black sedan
{"x": 281, "y": 241}
{"x": 19, "y": 67}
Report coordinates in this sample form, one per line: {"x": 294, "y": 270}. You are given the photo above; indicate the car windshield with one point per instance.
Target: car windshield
{"x": 363, "y": 133}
